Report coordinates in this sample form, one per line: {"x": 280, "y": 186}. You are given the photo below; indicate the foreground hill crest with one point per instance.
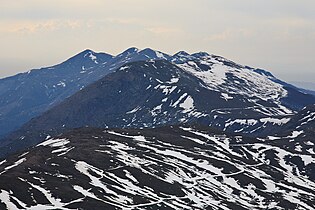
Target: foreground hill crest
{"x": 162, "y": 168}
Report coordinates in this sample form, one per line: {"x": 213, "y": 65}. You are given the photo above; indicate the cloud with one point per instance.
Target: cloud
{"x": 269, "y": 33}
{"x": 162, "y": 30}
{"x": 290, "y": 29}
{"x": 230, "y": 34}
{"x": 126, "y": 21}
{"x": 31, "y": 27}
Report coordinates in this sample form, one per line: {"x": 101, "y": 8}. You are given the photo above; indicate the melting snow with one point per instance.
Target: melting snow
{"x": 275, "y": 120}
{"x": 241, "y": 122}
{"x": 173, "y": 81}
{"x": 295, "y": 134}
{"x": 226, "y": 97}
{"x": 14, "y": 165}
{"x": 124, "y": 68}
{"x": 93, "y": 58}
{"x": 160, "y": 55}
{"x": 253, "y": 84}
{"x": 188, "y": 104}
{"x": 134, "y": 110}
{"x": 54, "y": 143}
{"x": 179, "y": 100}
{"x": 61, "y": 84}
{"x": 213, "y": 163}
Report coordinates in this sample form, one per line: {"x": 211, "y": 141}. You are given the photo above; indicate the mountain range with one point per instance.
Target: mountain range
{"x": 29, "y": 94}
{"x": 208, "y": 133}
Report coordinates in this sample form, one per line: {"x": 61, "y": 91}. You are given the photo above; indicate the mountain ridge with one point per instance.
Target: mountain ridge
{"x": 213, "y": 92}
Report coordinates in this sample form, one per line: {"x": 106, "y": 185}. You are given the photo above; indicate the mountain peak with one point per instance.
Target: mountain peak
{"x": 87, "y": 51}
{"x": 129, "y": 51}
{"x": 88, "y": 55}
{"x": 201, "y": 54}
{"x": 80, "y": 55}
{"x": 150, "y": 53}
{"x": 84, "y": 52}
{"x": 181, "y": 53}
{"x": 264, "y": 72}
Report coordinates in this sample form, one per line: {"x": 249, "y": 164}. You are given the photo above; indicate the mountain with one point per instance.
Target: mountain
{"x": 192, "y": 89}
{"x": 26, "y": 95}
{"x": 162, "y": 168}
{"x": 29, "y": 94}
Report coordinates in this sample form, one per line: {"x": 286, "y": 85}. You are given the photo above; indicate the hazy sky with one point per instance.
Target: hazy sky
{"x": 277, "y": 35}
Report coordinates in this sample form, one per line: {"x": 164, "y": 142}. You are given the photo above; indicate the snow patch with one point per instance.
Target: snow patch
{"x": 54, "y": 143}
{"x": 275, "y": 120}
{"x": 226, "y": 97}
{"x": 188, "y": 104}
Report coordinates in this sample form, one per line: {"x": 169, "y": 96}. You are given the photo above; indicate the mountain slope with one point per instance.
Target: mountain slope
{"x": 301, "y": 128}
{"x": 162, "y": 168}
{"x": 28, "y": 94}
{"x": 304, "y": 121}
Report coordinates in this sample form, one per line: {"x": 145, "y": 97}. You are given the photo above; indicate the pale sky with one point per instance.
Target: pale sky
{"x": 277, "y": 35}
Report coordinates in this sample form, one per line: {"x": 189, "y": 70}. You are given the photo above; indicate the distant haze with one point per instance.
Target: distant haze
{"x": 278, "y": 36}
{"x": 305, "y": 85}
